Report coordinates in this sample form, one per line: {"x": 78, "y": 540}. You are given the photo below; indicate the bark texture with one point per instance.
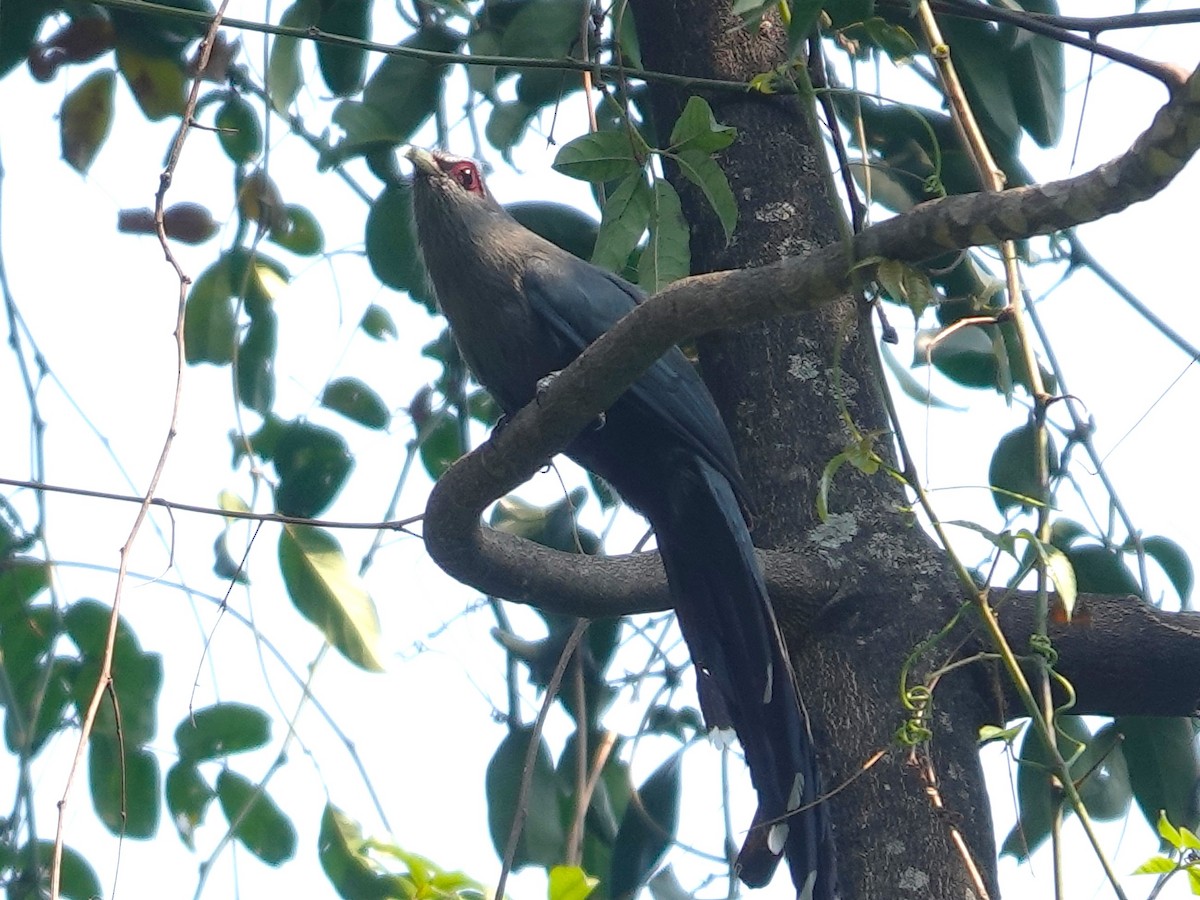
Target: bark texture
{"x": 784, "y": 387}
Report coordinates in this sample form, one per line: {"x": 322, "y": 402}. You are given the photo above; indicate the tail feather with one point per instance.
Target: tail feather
{"x": 744, "y": 676}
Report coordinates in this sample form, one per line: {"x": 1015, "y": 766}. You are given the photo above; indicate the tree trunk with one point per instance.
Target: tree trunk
{"x": 786, "y": 388}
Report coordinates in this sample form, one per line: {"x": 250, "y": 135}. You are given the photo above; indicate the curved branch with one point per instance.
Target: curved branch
{"x": 518, "y": 569}
{"x": 1121, "y": 655}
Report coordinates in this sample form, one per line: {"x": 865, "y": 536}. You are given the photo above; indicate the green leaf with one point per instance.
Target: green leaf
{"x": 704, "y": 172}
{"x": 981, "y": 58}
{"x": 284, "y": 77}
{"x": 302, "y": 234}
{"x": 343, "y": 854}
{"x": 600, "y": 156}
{"x": 543, "y": 838}
{"x": 626, "y": 215}
{"x": 441, "y": 443}
{"x": 85, "y": 119}
{"x": 506, "y": 124}
{"x": 894, "y": 40}
{"x": 697, "y": 130}
{"x": 392, "y": 245}
{"x": 906, "y": 285}
{"x": 313, "y": 464}
{"x": 1160, "y": 753}
{"x": 560, "y": 224}
{"x": 401, "y": 94}
{"x": 1174, "y": 562}
{"x": 78, "y": 880}
{"x": 1099, "y": 570}
{"x": 1036, "y": 78}
{"x": 1062, "y": 574}
{"x": 124, "y": 787}
{"x": 209, "y": 323}
{"x": 222, "y": 730}
{"x": 22, "y": 578}
{"x": 256, "y": 822}
{"x": 667, "y": 255}
{"x": 647, "y": 829}
{"x": 329, "y": 594}
{"x": 344, "y": 67}
{"x": 1156, "y": 865}
{"x": 157, "y": 82}
{"x": 357, "y": 402}
{"x": 377, "y": 322}
{"x": 238, "y": 130}
{"x": 1012, "y": 473}
{"x": 256, "y": 363}
{"x": 804, "y": 18}
{"x": 1168, "y": 832}
{"x": 570, "y": 883}
{"x": 188, "y": 797}
{"x": 1037, "y": 800}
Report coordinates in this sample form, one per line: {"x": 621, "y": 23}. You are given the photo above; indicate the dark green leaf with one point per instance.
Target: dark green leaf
{"x": 704, "y": 172}
{"x": 1099, "y": 570}
{"x": 543, "y": 837}
{"x": 283, "y": 67}
{"x": 313, "y": 464}
{"x": 157, "y": 82}
{"x": 78, "y": 880}
{"x": 392, "y": 245}
{"x": 344, "y": 67}
{"x": 209, "y": 323}
{"x": 222, "y": 730}
{"x": 1104, "y": 788}
{"x": 18, "y": 34}
{"x": 441, "y": 443}
{"x": 124, "y": 789}
{"x": 893, "y": 40}
{"x": 344, "y": 857}
{"x": 256, "y": 363}
{"x": 600, "y": 156}
{"x": 804, "y": 19}
{"x": 506, "y": 124}
{"x": 326, "y": 591}
{"x": 377, "y": 322}
{"x": 21, "y": 579}
{"x": 85, "y": 119}
{"x": 1037, "y": 799}
{"x": 302, "y": 234}
{"x": 563, "y": 225}
{"x": 257, "y": 823}
{"x": 357, "y": 402}
{"x": 188, "y": 797}
{"x": 1036, "y": 78}
{"x": 1174, "y": 562}
{"x": 238, "y": 130}
{"x": 1013, "y": 471}
{"x": 981, "y": 57}
{"x": 401, "y": 94}
{"x": 667, "y": 255}
{"x": 647, "y": 830}
{"x": 1160, "y": 754}
{"x": 626, "y": 215}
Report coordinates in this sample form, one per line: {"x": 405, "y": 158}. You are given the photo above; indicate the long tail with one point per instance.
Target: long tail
{"x": 743, "y": 674}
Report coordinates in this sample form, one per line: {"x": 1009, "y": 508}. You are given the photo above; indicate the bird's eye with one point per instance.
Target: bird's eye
{"x": 467, "y": 176}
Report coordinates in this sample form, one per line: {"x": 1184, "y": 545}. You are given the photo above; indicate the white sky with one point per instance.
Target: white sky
{"x": 102, "y": 309}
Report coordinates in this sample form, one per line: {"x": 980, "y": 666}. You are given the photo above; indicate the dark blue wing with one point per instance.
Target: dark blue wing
{"x": 580, "y": 302}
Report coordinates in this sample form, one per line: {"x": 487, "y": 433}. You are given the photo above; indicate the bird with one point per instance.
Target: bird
{"x": 521, "y": 309}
